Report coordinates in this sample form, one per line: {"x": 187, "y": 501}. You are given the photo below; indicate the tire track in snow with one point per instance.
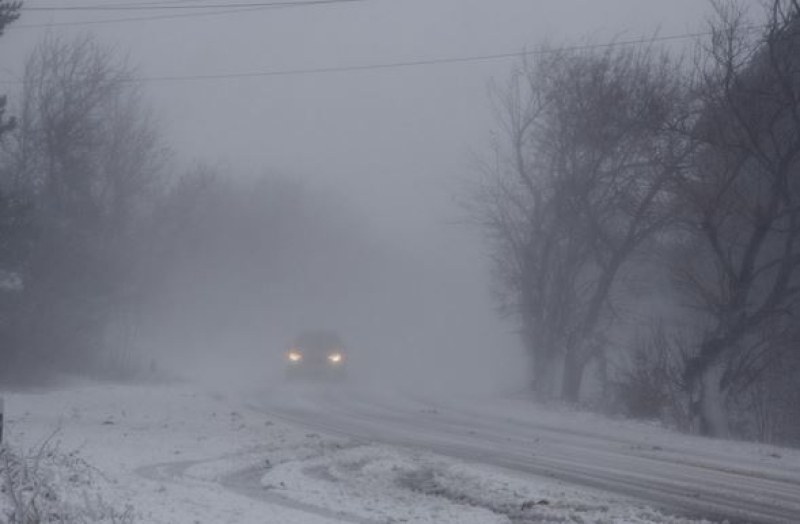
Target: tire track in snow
{"x": 245, "y": 482}
{"x": 576, "y": 457}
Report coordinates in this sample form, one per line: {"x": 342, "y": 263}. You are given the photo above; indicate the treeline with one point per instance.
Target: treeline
{"x": 78, "y": 173}
{"x": 644, "y": 217}
{"x": 109, "y": 251}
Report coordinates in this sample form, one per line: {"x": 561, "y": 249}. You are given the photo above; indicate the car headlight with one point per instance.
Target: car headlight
{"x": 295, "y": 356}
{"x": 335, "y": 358}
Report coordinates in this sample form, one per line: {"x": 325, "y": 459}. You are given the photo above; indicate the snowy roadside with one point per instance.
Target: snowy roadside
{"x": 178, "y": 453}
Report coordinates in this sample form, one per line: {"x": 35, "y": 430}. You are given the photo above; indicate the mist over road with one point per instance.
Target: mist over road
{"x": 681, "y": 474}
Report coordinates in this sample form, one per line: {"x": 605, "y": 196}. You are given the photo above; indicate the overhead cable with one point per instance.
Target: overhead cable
{"x": 405, "y": 63}
{"x": 207, "y": 11}
{"x": 152, "y": 6}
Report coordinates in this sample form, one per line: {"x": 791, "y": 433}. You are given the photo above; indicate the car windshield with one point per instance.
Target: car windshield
{"x": 318, "y": 341}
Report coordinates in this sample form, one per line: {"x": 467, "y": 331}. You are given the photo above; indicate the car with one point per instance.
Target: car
{"x": 316, "y": 355}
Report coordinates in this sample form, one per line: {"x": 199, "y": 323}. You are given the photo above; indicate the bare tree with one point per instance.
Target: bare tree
{"x": 87, "y": 154}
{"x": 576, "y": 190}
{"x": 9, "y": 12}
{"x": 743, "y": 199}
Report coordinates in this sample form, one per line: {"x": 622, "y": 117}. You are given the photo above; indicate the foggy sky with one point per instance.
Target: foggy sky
{"x": 396, "y": 143}
{"x": 395, "y": 140}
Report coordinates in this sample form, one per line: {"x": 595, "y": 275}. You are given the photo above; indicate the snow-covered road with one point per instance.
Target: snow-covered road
{"x": 692, "y": 476}
{"x": 175, "y": 453}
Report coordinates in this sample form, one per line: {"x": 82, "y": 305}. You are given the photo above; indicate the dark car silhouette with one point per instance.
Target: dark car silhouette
{"x": 316, "y": 355}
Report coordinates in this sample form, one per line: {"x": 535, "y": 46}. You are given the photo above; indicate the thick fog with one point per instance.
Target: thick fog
{"x": 457, "y": 261}
{"x": 369, "y": 167}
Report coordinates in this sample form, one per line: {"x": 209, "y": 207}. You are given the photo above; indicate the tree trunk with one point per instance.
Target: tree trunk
{"x": 713, "y": 419}
{"x": 545, "y": 372}
{"x": 573, "y": 377}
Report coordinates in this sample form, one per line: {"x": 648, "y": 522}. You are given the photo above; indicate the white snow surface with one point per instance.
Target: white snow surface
{"x": 690, "y": 475}
{"x": 182, "y": 453}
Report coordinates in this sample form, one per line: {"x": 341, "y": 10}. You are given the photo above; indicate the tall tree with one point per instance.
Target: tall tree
{"x": 14, "y": 212}
{"x": 9, "y": 12}
{"x": 578, "y": 188}
{"x": 87, "y": 152}
{"x": 743, "y": 200}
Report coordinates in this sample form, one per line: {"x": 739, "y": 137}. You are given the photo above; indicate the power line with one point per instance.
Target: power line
{"x": 142, "y": 3}
{"x": 217, "y": 9}
{"x": 132, "y": 19}
{"x": 154, "y": 2}
{"x": 150, "y": 6}
{"x": 402, "y": 64}
{"x": 412, "y": 63}
{"x": 163, "y": 2}
{"x": 157, "y": 2}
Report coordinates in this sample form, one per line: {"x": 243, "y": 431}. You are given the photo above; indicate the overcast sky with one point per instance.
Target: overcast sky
{"x": 397, "y": 142}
